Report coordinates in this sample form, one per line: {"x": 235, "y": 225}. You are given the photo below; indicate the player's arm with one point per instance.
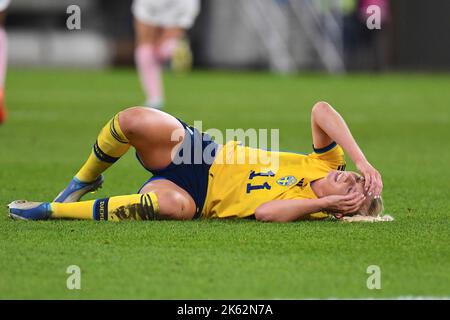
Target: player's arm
{"x": 296, "y": 209}
{"x": 327, "y": 125}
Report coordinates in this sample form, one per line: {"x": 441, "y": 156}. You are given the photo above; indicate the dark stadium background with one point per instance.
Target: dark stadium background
{"x": 414, "y": 38}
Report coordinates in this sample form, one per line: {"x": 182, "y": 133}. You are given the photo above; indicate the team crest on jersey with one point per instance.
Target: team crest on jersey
{"x": 287, "y": 181}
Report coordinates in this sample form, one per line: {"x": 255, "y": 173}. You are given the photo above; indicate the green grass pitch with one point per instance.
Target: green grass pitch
{"x": 401, "y": 122}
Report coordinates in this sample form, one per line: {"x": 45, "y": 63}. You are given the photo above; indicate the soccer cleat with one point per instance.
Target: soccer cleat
{"x": 76, "y": 189}
{"x": 27, "y": 210}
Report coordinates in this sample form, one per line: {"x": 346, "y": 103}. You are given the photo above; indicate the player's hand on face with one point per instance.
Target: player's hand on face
{"x": 344, "y": 204}
{"x": 373, "y": 184}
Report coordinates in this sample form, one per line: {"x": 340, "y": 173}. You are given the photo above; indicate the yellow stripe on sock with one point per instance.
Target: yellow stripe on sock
{"x": 116, "y": 131}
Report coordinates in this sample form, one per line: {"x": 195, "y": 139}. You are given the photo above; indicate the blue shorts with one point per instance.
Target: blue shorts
{"x": 190, "y": 167}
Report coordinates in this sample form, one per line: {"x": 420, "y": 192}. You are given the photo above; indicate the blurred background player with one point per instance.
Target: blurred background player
{"x": 160, "y": 25}
{"x": 3, "y": 53}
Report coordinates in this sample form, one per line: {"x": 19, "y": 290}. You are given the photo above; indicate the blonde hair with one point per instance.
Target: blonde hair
{"x": 374, "y": 209}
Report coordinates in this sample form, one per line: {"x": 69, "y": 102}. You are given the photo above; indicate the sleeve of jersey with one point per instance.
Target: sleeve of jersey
{"x": 332, "y": 154}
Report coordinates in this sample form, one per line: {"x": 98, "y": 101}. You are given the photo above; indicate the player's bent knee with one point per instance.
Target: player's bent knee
{"x": 132, "y": 120}
{"x": 173, "y": 205}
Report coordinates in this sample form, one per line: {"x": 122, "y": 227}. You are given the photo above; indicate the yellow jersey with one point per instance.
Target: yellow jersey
{"x": 242, "y": 178}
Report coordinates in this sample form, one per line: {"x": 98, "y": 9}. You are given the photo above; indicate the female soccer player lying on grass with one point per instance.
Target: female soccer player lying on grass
{"x": 300, "y": 187}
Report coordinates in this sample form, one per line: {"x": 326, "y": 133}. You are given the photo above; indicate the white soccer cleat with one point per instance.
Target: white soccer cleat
{"x": 28, "y": 210}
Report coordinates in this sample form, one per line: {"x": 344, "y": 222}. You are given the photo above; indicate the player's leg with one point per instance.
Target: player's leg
{"x": 110, "y": 145}
{"x": 174, "y": 44}
{"x": 174, "y": 202}
{"x": 168, "y": 41}
{"x": 174, "y": 47}
{"x": 3, "y": 64}
{"x": 153, "y": 133}
{"x": 148, "y": 64}
{"x": 158, "y": 200}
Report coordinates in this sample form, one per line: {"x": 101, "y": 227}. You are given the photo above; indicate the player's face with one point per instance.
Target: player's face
{"x": 344, "y": 182}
